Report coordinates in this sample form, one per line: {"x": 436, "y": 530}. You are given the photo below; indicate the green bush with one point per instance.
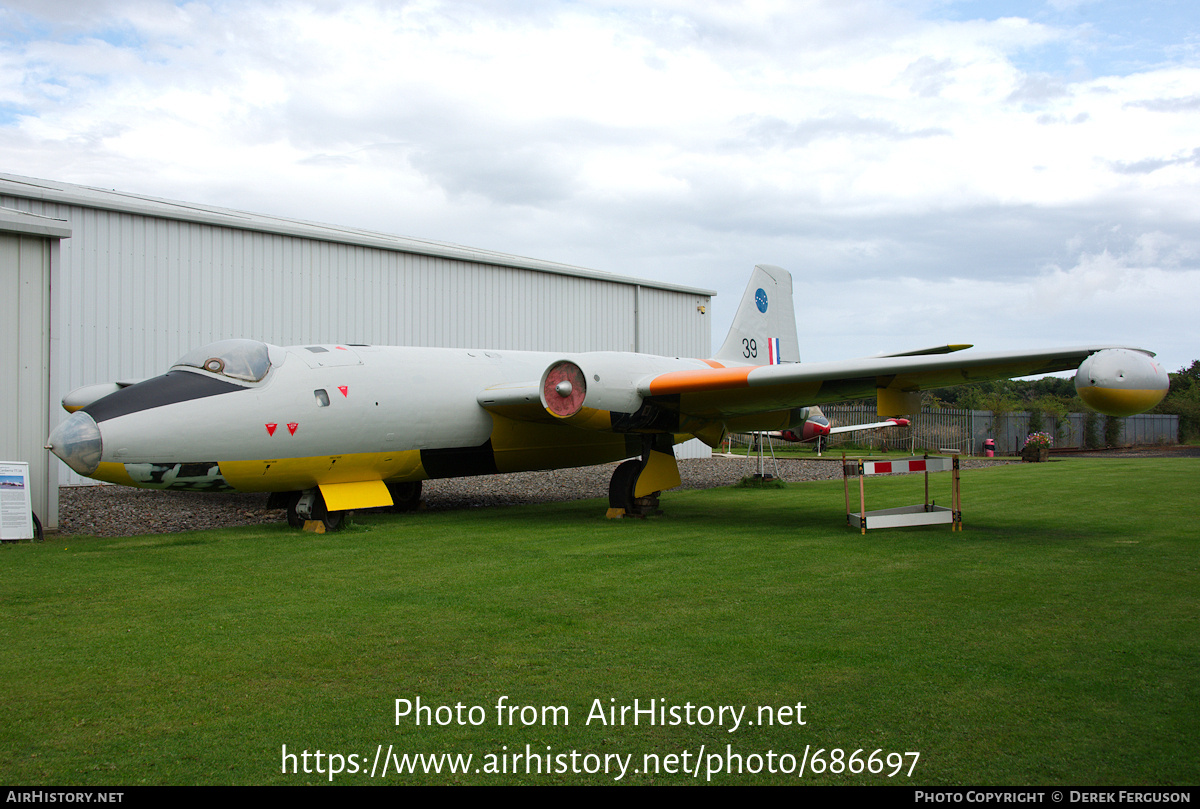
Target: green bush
{"x": 1112, "y": 431}
{"x": 1091, "y": 430}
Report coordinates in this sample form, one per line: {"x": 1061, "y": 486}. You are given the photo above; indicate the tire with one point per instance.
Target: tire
{"x": 405, "y": 496}
{"x": 332, "y": 520}
{"x": 620, "y": 488}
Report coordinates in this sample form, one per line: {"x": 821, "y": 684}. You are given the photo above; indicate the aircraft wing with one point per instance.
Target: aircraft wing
{"x": 875, "y": 425}
{"x": 727, "y": 392}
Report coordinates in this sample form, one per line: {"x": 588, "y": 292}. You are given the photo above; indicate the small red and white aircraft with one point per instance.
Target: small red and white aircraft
{"x": 818, "y": 426}
{"x": 337, "y": 427}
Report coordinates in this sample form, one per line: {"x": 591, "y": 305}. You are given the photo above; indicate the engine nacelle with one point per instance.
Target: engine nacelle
{"x": 1121, "y": 382}
{"x": 600, "y": 380}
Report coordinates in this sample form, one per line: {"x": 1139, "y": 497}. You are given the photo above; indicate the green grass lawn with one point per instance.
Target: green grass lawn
{"x": 1055, "y": 641}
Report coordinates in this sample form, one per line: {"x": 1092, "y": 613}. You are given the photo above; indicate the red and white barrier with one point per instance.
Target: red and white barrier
{"x": 905, "y": 467}
{"x": 925, "y": 513}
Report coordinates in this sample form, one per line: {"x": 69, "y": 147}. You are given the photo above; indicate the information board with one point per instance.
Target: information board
{"x": 16, "y": 512}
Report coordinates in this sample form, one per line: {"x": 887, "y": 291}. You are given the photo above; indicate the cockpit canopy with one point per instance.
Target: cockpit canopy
{"x": 247, "y": 360}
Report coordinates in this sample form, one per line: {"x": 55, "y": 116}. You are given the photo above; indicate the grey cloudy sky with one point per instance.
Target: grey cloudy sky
{"x": 1011, "y": 174}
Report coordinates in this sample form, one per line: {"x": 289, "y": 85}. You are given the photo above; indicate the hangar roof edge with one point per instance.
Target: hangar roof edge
{"x": 125, "y": 202}
{"x": 24, "y": 222}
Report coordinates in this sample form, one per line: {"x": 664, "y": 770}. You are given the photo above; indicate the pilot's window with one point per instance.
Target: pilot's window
{"x": 322, "y": 397}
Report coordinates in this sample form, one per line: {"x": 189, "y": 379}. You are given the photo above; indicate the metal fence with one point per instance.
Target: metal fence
{"x": 965, "y": 430}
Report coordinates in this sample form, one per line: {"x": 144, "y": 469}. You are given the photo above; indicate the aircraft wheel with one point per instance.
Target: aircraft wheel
{"x": 331, "y": 519}
{"x": 405, "y": 496}
{"x": 620, "y": 488}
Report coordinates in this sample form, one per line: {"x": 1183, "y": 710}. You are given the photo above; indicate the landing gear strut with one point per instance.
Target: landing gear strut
{"x": 637, "y": 483}
{"x": 310, "y": 505}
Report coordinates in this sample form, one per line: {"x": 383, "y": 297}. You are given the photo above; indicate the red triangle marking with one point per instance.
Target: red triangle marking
{"x": 271, "y": 429}
{"x": 292, "y": 427}
{"x": 340, "y": 348}
{"x": 344, "y": 389}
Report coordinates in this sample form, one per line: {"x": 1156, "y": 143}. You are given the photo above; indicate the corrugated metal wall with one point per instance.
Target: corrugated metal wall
{"x": 671, "y": 322}
{"x": 138, "y": 291}
{"x": 25, "y": 363}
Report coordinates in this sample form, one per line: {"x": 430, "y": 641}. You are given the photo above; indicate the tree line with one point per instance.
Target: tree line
{"x": 1054, "y": 396}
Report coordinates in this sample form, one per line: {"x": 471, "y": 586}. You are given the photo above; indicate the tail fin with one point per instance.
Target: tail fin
{"x": 764, "y": 328}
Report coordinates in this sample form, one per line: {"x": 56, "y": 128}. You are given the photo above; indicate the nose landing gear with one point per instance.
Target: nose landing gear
{"x": 309, "y": 506}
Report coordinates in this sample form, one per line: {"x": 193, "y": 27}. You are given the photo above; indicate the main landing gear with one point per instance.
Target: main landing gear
{"x": 309, "y": 505}
{"x": 405, "y": 496}
{"x": 637, "y": 483}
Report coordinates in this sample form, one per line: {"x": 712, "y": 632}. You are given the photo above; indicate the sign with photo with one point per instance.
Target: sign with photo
{"x": 16, "y": 512}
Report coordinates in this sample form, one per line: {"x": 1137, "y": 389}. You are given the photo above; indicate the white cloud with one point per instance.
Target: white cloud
{"x": 857, "y": 142}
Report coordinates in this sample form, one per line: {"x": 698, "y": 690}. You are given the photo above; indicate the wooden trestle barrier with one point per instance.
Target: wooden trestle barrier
{"x": 921, "y": 514}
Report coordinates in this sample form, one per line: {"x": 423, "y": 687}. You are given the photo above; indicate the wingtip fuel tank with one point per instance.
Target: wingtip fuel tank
{"x": 1121, "y": 381}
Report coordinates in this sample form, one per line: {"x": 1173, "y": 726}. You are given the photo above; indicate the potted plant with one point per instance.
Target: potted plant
{"x": 1037, "y": 447}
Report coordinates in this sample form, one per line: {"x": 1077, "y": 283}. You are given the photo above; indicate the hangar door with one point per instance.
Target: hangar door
{"x": 25, "y": 364}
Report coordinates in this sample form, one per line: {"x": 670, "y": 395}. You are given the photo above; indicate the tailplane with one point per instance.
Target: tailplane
{"x": 764, "y": 328}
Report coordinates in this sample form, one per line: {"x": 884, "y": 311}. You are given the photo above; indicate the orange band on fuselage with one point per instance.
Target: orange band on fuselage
{"x": 692, "y": 381}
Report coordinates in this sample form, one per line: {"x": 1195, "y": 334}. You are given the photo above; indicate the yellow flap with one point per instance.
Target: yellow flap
{"x": 660, "y": 472}
{"x": 891, "y": 402}
{"x": 363, "y": 494}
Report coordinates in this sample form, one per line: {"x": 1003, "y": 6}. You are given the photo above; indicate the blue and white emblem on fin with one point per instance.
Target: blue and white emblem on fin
{"x": 760, "y": 300}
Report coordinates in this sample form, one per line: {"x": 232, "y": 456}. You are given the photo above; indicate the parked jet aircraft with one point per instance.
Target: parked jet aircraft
{"x": 339, "y": 427}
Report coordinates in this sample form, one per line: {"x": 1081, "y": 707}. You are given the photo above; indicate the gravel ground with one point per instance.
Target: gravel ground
{"x": 109, "y": 511}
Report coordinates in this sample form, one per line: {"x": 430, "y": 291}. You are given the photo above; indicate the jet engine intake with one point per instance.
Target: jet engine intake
{"x": 564, "y": 387}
